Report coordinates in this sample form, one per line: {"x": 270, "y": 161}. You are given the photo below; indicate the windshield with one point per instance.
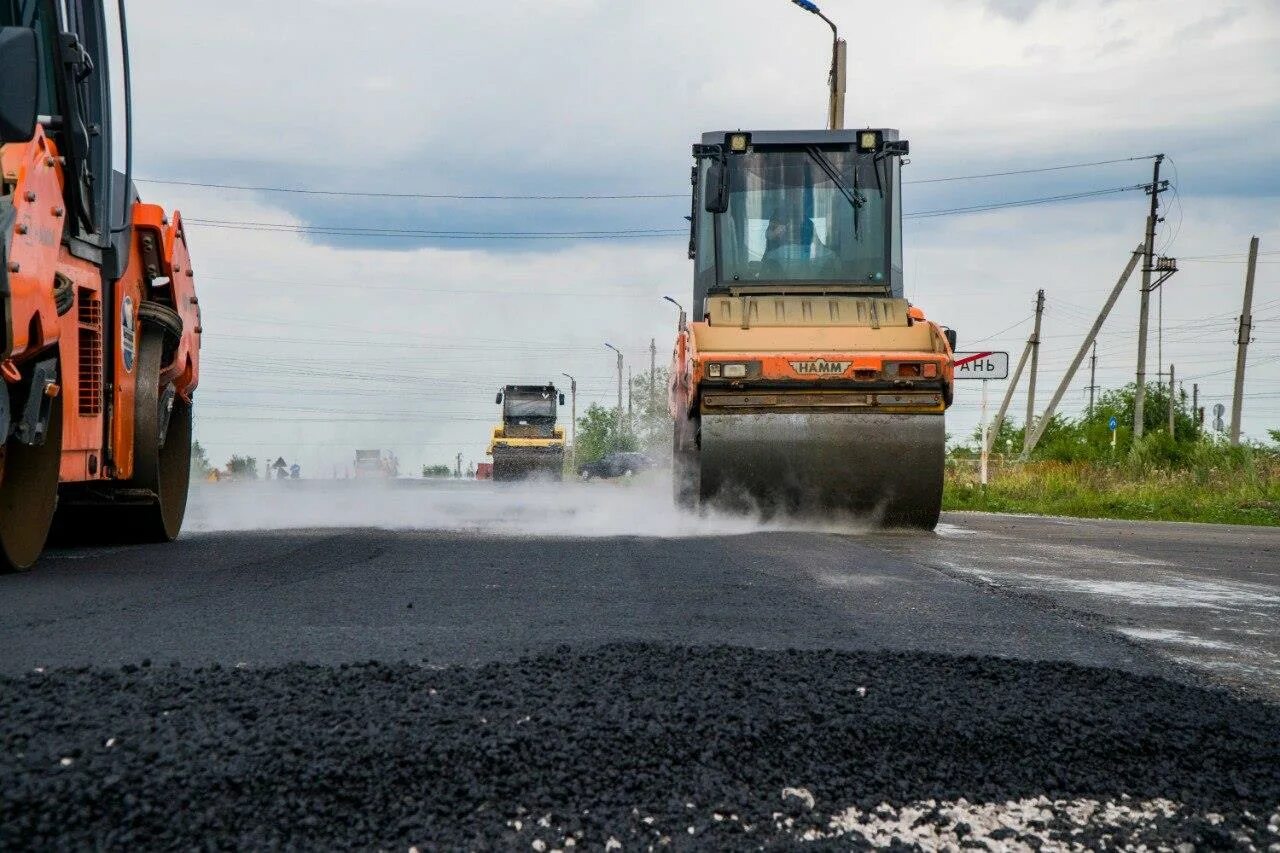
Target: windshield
{"x": 789, "y": 219}
{"x": 530, "y": 404}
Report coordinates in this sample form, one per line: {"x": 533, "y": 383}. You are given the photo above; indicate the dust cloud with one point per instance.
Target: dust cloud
{"x": 639, "y": 507}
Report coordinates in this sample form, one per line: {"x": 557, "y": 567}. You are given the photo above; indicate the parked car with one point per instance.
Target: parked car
{"x": 615, "y": 465}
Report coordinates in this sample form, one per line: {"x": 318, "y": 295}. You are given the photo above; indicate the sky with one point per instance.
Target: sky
{"x": 331, "y": 322}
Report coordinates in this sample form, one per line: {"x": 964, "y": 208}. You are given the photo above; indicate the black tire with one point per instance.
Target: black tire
{"x": 165, "y": 471}
{"x": 29, "y": 495}
{"x": 160, "y": 317}
{"x": 64, "y": 295}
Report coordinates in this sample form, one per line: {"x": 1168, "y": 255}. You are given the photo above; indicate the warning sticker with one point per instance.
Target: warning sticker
{"x": 128, "y": 334}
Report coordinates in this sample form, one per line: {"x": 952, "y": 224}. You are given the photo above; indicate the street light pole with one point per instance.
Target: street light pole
{"x": 619, "y": 352}
{"x": 573, "y": 415}
{"x": 683, "y": 316}
{"x": 837, "y": 76}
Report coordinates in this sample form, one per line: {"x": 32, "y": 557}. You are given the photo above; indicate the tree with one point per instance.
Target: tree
{"x": 242, "y": 467}
{"x": 437, "y": 471}
{"x": 600, "y": 433}
{"x": 651, "y": 420}
{"x": 200, "y": 466}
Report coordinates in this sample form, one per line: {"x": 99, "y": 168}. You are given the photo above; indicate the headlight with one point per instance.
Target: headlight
{"x": 713, "y": 370}
{"x": 735, "y": 371}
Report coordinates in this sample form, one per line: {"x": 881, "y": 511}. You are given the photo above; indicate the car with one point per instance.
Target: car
{"x": 615, "y": 465}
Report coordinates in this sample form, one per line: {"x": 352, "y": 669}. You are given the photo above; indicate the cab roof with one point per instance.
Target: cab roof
{"x": 799, "y": 137}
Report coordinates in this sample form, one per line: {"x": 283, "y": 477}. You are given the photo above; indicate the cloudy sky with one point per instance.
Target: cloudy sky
{"x": 332, "y": 322}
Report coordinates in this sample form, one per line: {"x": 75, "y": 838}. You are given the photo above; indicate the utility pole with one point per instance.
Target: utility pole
{"x": 573, "y": 417}
{"x": 1148, "y": 266}
{"x": 1242, "y": 343}
{"x": 1195, "y": 407}
{"x": 630, "y": 385}
{"x": 1173, "y": 397}
{"x": 458, "y": 470}
{"x": 1093, "y": 376}
{"x": 1084, "y": 347}
{"x": 1034, "y": 343}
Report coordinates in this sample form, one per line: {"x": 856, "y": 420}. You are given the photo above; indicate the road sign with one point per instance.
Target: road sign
{"x": 1112, "y": 424}
{"x": 1219, "y": 410}
{"x": 982, "y": 365}
{"x": 1219, "y": 425}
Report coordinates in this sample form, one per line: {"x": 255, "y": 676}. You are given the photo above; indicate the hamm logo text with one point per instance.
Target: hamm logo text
{"x": 820, "y": 367}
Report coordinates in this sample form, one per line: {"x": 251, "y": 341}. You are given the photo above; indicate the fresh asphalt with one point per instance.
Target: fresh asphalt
{"x": 556, "y": 598}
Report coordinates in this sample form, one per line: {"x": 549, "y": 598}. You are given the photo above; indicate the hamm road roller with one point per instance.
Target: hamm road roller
{"x": 528, "y": 444}
{"x": 99, "y": 324}
{"x": 805, "y": 383}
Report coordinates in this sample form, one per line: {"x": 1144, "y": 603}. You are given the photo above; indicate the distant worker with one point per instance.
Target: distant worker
{"x": 295, "y": 471}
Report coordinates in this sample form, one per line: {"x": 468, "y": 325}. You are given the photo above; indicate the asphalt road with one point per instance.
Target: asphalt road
{"x": 605, "y": 581}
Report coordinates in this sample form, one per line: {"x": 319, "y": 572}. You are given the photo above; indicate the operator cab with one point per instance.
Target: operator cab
{"x": 529, "y": 411}
{"x": 797, "y": 212}
{"x": 68, "y": 61}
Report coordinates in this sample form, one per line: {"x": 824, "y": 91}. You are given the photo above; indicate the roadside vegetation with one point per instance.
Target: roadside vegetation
{"x": 647, "y": 429}
{"x": 1191, "y": 475}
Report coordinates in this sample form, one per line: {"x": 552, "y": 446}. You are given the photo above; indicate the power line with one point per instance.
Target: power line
{"x": 578, "y": 197}
{"x": 426, "y": 196}
{"x": 358, "y": 231}
{"x": 1031, "y": 171}
{"x": 1001, "y": 332}
{"x": 997, "y": 205}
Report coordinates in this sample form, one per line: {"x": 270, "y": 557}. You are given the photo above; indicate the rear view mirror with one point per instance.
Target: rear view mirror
{"x": 498, "y": 399}
{"x": 716, "y": 198}
{"x": 20, "y": 91}
{"x": 951, "y": 338}
{"x": 562, "y": 399}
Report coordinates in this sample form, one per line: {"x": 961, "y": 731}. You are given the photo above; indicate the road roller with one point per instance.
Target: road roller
{"x": 528, "y": 444}
{"x": 99, "y": 322}
{"x": 802, "y": 381}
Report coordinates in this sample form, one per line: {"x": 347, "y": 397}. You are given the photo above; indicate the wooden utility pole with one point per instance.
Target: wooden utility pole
{"x": 1034, "y": 436}
{"x": 1034, "y": 343}
{"x": 1093, "y": 376}
{"x": 1242, "y": 342}
{"x": 1195, "y": 407}
{"x": 1173, "y": 397}
{"x": 1148, "y": 266}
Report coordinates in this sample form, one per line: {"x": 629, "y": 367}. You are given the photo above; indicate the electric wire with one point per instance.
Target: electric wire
{"x": 576, "y": 197}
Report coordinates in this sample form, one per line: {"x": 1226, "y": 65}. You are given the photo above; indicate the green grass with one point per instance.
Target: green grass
{"x": 1243, "y": 489}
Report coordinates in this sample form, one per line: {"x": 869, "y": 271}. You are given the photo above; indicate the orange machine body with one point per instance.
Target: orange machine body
{"x": 96, "y": 349}
{"x": 907, "y": 368}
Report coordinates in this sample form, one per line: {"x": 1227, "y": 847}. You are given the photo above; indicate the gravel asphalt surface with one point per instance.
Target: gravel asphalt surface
{"x": 486, "y": 668}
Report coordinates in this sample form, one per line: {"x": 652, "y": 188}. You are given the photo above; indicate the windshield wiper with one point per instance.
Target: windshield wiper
{"x": 854, "y": 195}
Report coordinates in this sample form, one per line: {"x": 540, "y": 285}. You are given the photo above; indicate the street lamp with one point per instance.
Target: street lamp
{"x": 836, "y": 77}
{"x": 619, "y": 352}
{"x": 681, "y": 307}
{"x": 573, "y": 413}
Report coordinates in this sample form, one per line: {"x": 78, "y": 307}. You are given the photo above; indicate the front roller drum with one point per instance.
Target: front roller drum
{"x": 513, "y": 464}
{"x": 887, "y": 468}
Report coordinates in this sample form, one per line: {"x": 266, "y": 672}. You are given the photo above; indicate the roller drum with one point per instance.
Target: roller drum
{"x": 884, "y": 467}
